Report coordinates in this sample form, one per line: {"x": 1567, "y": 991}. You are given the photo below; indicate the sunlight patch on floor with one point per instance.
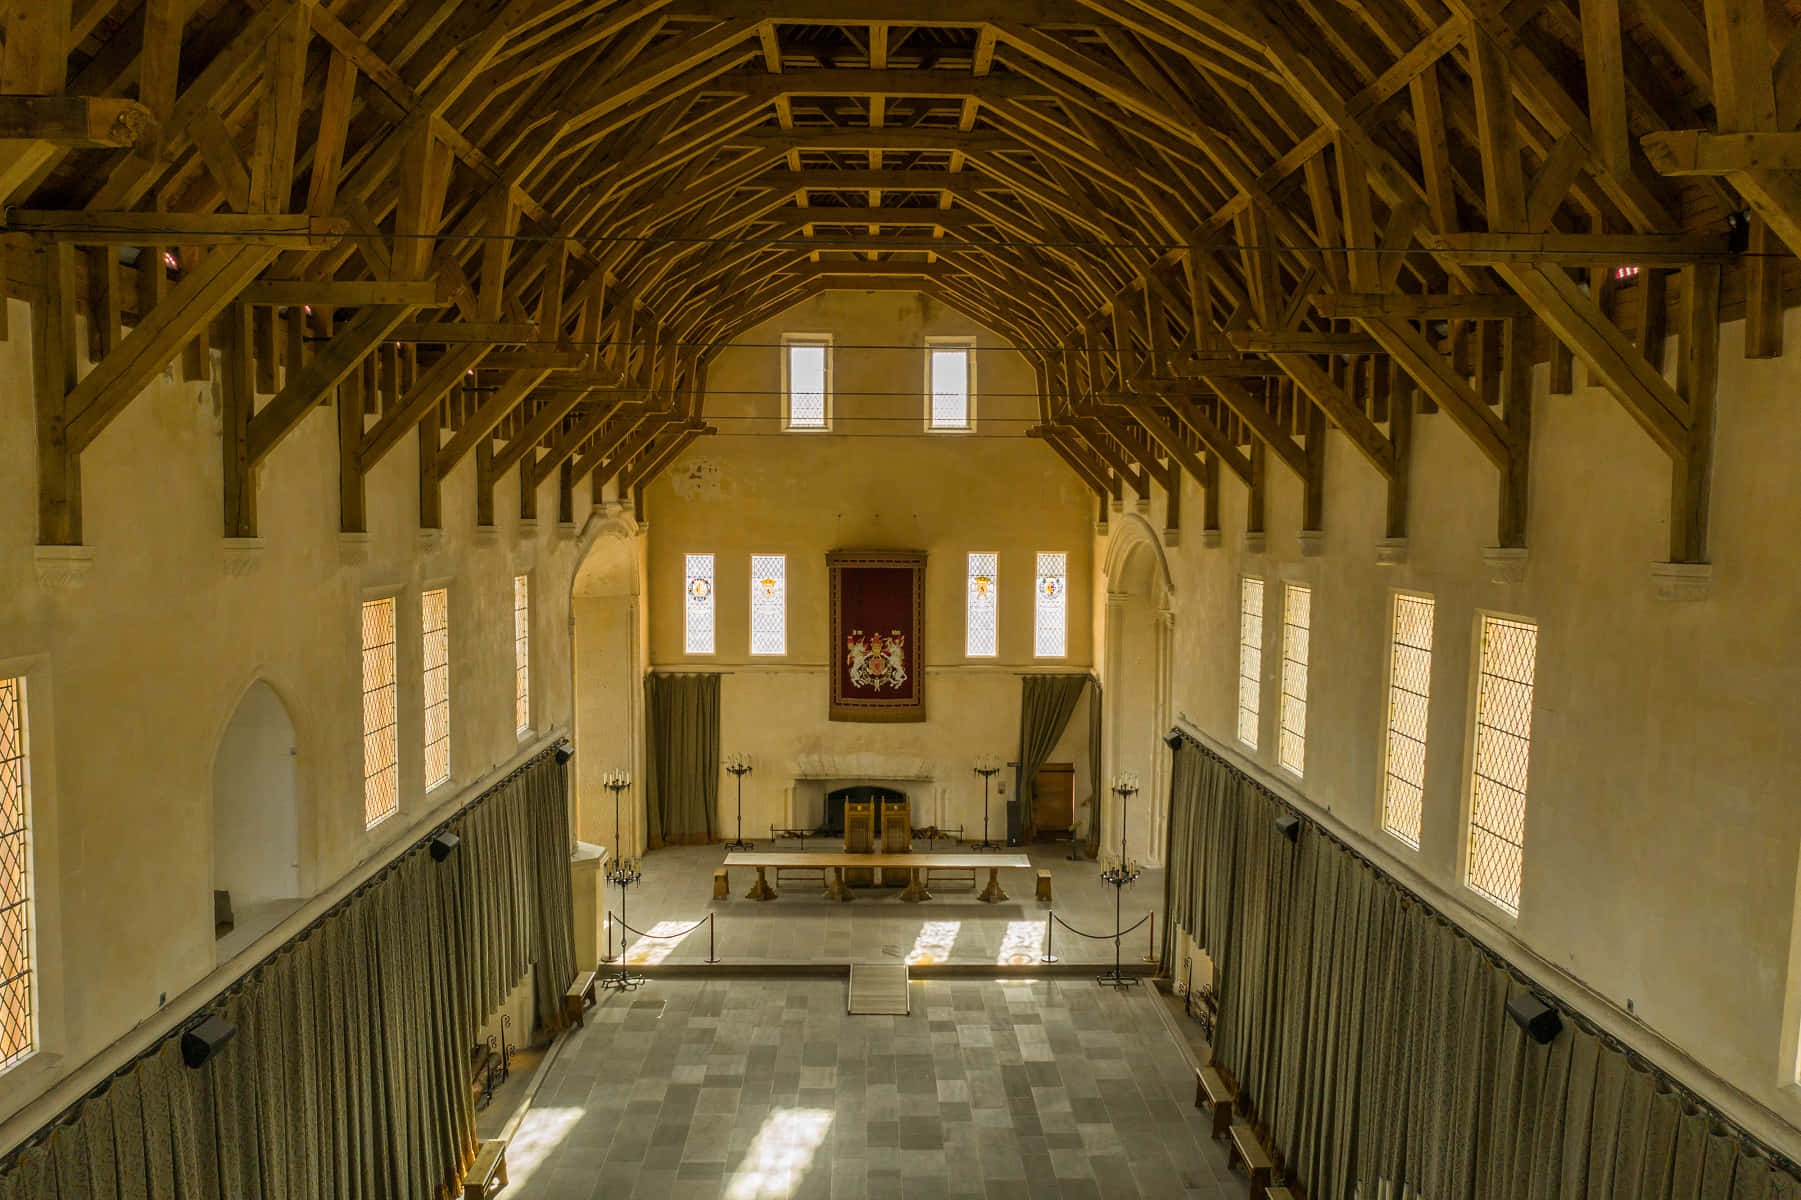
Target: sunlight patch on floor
{"x": 780, "y": 1154}
{"x": 934, "y": 943}
{"x": 648, "y": 953}
{"x": 1023, "y": 943}
{"x": 538, "y": 1134}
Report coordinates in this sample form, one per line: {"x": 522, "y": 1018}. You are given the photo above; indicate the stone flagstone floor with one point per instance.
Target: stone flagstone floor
{"x": 746, "y": 1090}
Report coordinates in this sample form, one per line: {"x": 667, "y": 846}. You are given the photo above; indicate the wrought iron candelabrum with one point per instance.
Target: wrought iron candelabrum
{"x": 624, "y": 872}
{"x": 987, "y": 767}
{"x": 738, "y": 766}
{"x": 1119, "y": 874}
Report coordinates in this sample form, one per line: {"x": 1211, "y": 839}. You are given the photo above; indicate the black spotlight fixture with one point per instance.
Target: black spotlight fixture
{"x": 1538, "y": 1019}
{"x": 1289, "y": 826}
{"x": 442, "y": 844}
{"x": 204, "y": 1040}
{"x": 565, "y": 752}
{"x": 1173, "y": 739}
{"x": 1738, "y": 231}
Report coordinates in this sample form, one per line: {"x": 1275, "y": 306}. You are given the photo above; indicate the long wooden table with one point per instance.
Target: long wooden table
{"x": 837, "y": 860}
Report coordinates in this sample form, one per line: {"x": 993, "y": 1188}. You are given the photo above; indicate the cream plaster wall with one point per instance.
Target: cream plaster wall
{"x": 876, "y": 480}
{"x": 1663, "y": 824}
{"x": 134, "y": 677}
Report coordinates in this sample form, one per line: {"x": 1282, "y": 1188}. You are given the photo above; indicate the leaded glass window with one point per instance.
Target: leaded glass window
{"x": 950, "y": 370}
{"x": 982, "y": 639}
{"x": 1250, "y": 659}
{"x": 807, "y": 375}
{"x": 1509, "y": 657}
{"x": 697, "y": 592}
{"x": 434, "y": 624}
{"x": 1297, "y": 628}
{"x": 1409, "y": 695}
{"x": 768, "y": 604}
{"x": 18, "y": 1013}
{"x": 381, "y": 744}
{"x": 522, "y": 654}
{"x": 1053, "y": 604}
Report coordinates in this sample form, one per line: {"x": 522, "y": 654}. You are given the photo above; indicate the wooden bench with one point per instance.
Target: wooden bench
{"x": 488, "y": 1173}
{"x": 1278, "y": 1193}
{"x": 1044, "y": 885}
{"x": 959, "y": 875}
{"x": 722, "y": 884}
{"x": 1212, "y": 1092}
{"x": 578, "y": 996}
{"x": 1245, "y": 1148}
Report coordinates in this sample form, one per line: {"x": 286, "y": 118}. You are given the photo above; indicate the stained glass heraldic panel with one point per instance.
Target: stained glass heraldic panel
{"x": 982, "y": 636}
{"x": 381, "y": 746}
{"x": 1409, "y": 696}
{"x": 768, "y": 604}
{"x": 1250, "y": 659}
{"x": 1053, "y": 604}
{"x": 434, "y": 625}
{"x": 698, "y": 604}
{"x": 18, "y": 1025}
{"x": 1509, "y": 664}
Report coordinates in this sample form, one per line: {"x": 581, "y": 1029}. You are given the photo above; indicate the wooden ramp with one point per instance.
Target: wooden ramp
{"x": 878, "y": 990}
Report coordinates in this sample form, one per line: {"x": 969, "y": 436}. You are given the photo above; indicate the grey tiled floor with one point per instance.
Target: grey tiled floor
{"x": 765, "y": 1088}
{"x": 801, "y": 926}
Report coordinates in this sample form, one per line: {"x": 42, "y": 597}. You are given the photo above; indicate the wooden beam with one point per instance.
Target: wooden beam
{"x": 293, "y": 231}
{"x": 1585, "y": 249}
{"x": 346, "y": 293}
{"x": 1691, "y": 490}
{"x": 54, "y": 354}
{"x": 238, "y": 348}
{"x": 1603, "y": 57}
{"x": 1403, "y": 306}
{"x": 77, "y": 122}
{"x": 312, "y": 383}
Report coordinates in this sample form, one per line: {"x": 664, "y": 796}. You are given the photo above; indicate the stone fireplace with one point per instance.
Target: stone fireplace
{"x": 820, "y": 777}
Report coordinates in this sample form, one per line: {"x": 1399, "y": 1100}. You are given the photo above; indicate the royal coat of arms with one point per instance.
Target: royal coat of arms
{"x": 876, "y": 660}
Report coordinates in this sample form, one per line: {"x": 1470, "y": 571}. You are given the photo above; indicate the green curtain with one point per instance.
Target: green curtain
{"x": 1045, "y": 706}
{"x": 1370, "y": 1036}
{"x": 348, "y": 1075}
{"x": 1096, "y": 789}
{"x": 681, "y": 763}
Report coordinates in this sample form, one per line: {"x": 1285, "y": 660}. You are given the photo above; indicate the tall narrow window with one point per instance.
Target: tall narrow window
{"x": 807, "y": 381}
{"x": 982, "y": 636}
{"x": 18, "y": 1011}
{"x": 381, "y": 746}
{"x": 697, "y": 600}
{"x": 1409, "y": 693}
{"x": 1509, "y": 657}
{"x": 522, "y": 654}
{"x": 1250, "y": 659}
{"x": 1297, "y": 627}
{"x": 768, "y": 604}
{"x": 434, "y": 625}
{"x": 1053, "y": 605}
{"x": 950, "y": 380}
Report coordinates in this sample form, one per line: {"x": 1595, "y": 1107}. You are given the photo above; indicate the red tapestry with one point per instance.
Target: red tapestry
{"x": 878, "y": 621}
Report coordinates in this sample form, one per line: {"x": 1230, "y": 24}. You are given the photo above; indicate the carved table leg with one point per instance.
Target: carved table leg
{"x": 916, "y": 890}
{"x": 993, "y": 894}
{"x": 837, "y": 889}
{"x": 760, "y": 890}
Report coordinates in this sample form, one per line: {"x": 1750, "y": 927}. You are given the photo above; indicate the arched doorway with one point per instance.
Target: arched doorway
{"x": 256, "y": 821}
{"x": 1137, "y": 685}
{"x": 606, "y": 620}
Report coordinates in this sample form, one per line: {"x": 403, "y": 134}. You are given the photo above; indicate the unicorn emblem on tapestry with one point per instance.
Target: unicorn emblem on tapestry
{"x": 876, "y": 660}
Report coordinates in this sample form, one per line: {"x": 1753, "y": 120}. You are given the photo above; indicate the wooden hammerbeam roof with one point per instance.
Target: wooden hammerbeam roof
{"x": 520, "y": 230}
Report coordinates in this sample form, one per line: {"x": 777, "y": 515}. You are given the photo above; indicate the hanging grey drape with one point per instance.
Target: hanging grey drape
{"x": 348, "y": 1075}
{"x": 1046, "y": 704}
{"x": 1371, "y": 1037}
{"x": 681, "y": 761}
{"x": 1095, "y": 790}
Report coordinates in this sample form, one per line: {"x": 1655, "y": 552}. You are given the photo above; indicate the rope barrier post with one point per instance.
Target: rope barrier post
{"x": 712, "y": 953}
{"x": 1049, "y": 928}
{"x": 1150, "y": 949}
{"x": 610, "y": 956}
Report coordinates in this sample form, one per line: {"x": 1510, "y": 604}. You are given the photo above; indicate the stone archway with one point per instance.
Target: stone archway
{"x": 1137, "y": 683}
{"x": 606, "y": 624}
{"x": 256, "y": 819}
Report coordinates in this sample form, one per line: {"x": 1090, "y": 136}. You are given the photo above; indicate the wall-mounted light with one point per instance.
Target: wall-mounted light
{"x": 1289, "y": 826}
{"x": 565, "y": 752}
{"x": 1173, "y": 739}
{"x": 204, "y": 1040}
{"x": 442, "y": 844}
{"x": 1538, "y": 1019}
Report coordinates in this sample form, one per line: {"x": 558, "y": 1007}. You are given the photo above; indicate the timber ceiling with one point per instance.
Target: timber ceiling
{"x": 1215, "y": 227}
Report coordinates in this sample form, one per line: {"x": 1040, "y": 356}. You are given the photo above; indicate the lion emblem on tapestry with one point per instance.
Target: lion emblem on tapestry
{"x": 876, "y": 661}
{"x": 877, "y": 610}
